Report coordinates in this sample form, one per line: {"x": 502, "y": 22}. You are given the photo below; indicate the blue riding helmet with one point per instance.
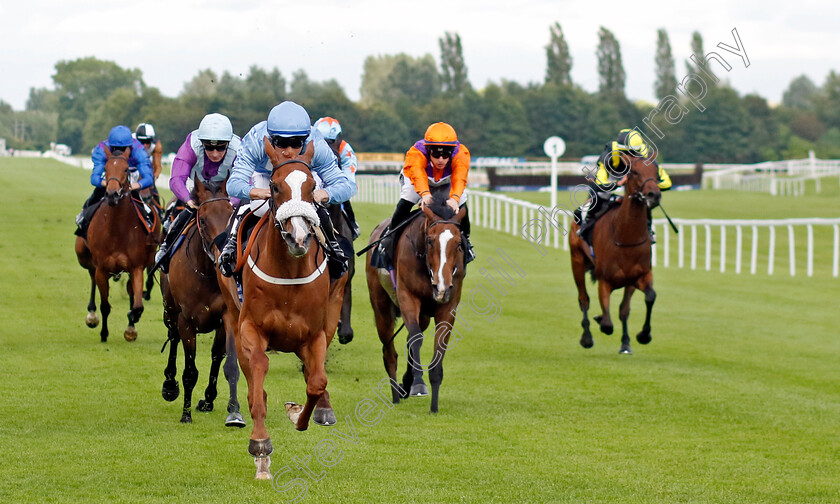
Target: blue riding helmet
{"x": 120, "y": 136}
{"x": 288, "y": 120}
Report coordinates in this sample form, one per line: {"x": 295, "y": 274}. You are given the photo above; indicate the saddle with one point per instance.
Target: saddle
{"x": 245, "y": 235}
{"x": 586, "y": 228}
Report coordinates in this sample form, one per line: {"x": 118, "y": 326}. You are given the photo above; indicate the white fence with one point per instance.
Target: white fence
{"x": 509, "y": 215}
{"x": 778, "y": 178}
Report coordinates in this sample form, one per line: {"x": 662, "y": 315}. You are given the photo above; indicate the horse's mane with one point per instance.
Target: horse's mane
{"x": 440, "y": 208}
{"x": 214, "y": 185}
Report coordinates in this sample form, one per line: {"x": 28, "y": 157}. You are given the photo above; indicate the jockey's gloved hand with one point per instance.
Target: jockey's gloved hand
{"x": 227, "y": 259}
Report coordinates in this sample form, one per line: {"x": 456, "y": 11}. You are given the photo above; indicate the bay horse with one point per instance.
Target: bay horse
{"x": 622, "y": 253}
{"x": 429, "y": 272}
{"x": 344, "y": 236}
{"x": 193, "y": 303}
{"x": 288, "y": 301}
{"x": 117, "y": 241}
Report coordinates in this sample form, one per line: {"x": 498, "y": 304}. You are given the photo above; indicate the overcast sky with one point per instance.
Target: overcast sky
{"x": 170, "y": 41}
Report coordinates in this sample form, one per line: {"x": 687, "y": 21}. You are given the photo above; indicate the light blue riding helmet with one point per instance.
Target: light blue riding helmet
{"x": 288, "y": 120}
{"x": 120, "y": 136}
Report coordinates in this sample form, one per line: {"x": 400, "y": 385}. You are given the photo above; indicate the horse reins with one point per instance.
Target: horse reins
{"x": 640, "y": 197}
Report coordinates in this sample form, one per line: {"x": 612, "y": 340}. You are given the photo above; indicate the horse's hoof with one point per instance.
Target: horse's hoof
{"x": 625, "y": 350}
{"x": 419, "y": 390}
{"x": 260, "y": 448}
{"x": 235, "y": 420}
{"x": 205, "y": 406}
{"x": 170, "y": 390}
{"x": 147, "y": 295}
{"x": 130, "y": 334}
{"x": 103, "y": 338}
{"x": 597, "y": 318}
{"x": 345, "y": 338}
{"x": 643, "y": 337}
{"x": 92, "y": 320}
{"x": 263, "y": 464}
{"x": 586, "y": 341}
{"x": 293, "y": 411}
{"x": 116, "y": 277}
{"x": 607, "y": 329}
{"x": 186, "y": 418}
{"x": 324, "y": 416}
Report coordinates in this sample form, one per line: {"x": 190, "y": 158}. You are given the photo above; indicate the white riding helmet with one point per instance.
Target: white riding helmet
{"x": 329, "y": 127}
{"x": 215, "y": 127}
{"x": 145, "y": 131}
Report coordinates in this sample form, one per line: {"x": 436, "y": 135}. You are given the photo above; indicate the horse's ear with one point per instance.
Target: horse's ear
{"x": 107, "y": 151}
{"x": 430, "y": 216}
{"x": 652, "y": 156}
{"x": 126, "y": 153}
{"x": 272, "y": 154}
{"x": 462, "y": 212}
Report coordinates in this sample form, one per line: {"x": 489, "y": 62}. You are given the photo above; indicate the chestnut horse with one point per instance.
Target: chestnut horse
{"x": 429, "y": 272}
{"x": 193, "y": 303}
{"x": 621, "y": 244}
{"x": 117, "y": 241}
{"x": 289, "y": 303}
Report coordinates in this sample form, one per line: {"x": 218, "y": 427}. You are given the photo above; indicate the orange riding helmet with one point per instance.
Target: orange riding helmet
{"x": 440, "y": 134}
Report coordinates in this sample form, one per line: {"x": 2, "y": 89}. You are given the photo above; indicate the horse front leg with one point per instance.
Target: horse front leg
{"x": 170, "y": 390}
{"x": 217, "y": 353}
{"x": 150, "y": 284}
{"x": 251, "y": 346}
{"x": 604, "y": 320}
{"x": 92, "y": 320}
{"x": 579, "y": 273}
{"x": 313, "y": 355}
{"x": 104, "y": 305}
{"x": 231, "y": 368}
{"x": 190, "y": 375}
{"x": 624, "y": 314}
{"x": 135, "y": 295}
{"x": 644, "y": 336}
{"x": 444, "y": 321}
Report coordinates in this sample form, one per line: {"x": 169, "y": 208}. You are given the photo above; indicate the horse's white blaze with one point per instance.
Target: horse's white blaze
{"x": 300, "y": 229}
{"x": 295, "y": 181}
{"x": 444, "y": 239}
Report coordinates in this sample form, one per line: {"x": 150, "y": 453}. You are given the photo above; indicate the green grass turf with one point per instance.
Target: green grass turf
{"x": 735, "y": 400}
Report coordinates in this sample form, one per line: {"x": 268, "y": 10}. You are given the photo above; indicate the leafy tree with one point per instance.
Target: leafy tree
{"x": 558, "y": 60}
{"x": 452, "y": 67}
{"x": 666, "y": 79}
{"x": 697, "y": 51}
{"x": 611, "y": 75}
{"x": 389, "y": 78}
{"x": 800, "y": 93}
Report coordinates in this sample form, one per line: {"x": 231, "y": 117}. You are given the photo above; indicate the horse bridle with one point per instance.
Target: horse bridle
{"x": 457, "y": 225}
{"x": 220, "y": 239}
{"x": 123, "y": 185}
{"x": 273, "y": 205}
{"x": 639, "y": 196}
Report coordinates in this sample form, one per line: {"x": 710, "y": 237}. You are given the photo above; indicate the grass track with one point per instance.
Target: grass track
{"x": 735, "y": 400}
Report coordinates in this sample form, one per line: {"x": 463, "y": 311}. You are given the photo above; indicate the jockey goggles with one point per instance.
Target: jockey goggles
{"x": 295, "y": 142}
{"x": 440, "y": 152}
{"x": 214, "y": 146}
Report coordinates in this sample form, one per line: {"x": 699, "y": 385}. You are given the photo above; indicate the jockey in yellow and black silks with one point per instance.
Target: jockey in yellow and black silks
{"x": 612, "y": 172}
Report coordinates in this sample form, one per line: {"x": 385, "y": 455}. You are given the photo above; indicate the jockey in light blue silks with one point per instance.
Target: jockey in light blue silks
{"x": 290, "y": 131}
{"x": 140, "y": 171}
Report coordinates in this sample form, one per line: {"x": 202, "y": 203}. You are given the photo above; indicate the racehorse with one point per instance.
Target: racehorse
{"x": 429, "y": 272}
{"x": 193, "y": 303}
{"x": 344, "y": 236}
{"x": 622, "y": 247}
{"x": 117, "y": 240}
{"x": 289, "y": 303}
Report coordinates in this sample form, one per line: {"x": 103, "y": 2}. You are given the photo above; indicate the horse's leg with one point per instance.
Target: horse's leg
{"x": 444, "y": 320}
{"x": 646, "y": 284}
{"x": 323, "y": 414}
{"x": 313, "y": 354}
{"x": 604, "y": 320}
{"x": 104, "y": 305}
{"x": 251, "y": 348}
{"x": 190, "y": 375}
{"x": 170, "y": 390}
{"x": 150, "y": 284}
{"x": 579, "y": 273}
{"x": 385, "y": 317}
{"x": 216, "y": 355}
{"x": 92, "y": 320}
{"x": 414, "y": 370}
{"x": 345, "y": 329}
{"x": 135, "y": 294}
{"x": 231, "y": 368}
{"x": 624, "y": 314}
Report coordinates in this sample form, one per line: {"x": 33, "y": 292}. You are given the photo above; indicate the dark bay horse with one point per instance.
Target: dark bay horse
{"x": 289, "y": 303}
{"x": 429, "y": 270}
{"x": 193, "y": 303}
{"x": 117, "y": 241}
{"x": 621, "y": 244}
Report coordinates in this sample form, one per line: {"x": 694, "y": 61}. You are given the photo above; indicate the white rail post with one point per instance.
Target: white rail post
{"x": 835, "y": 269}
{"x": 791, "y": 245}
{"x": 694, "y": 246}
{"x": 810, "y": 267}
{"x": 681, "y": 259}
{"x": 653, "y": 248}
{"x": 666, "y": 250}
{"x": 722, "y": 249}
{"x": 708, "y": 247}
{"x": 772, "y": 251}
{"x": 754, "y": 250}
{"x": 738, "y": 246}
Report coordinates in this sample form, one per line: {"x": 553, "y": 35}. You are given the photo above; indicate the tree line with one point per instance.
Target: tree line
{"x": 401, "y": 95}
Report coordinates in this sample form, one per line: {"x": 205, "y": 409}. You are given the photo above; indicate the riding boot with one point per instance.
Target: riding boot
{"x": 351, "y": 218}
{"x": 469, "y": 252}
{"x": 83, "y": 219}
{"x": 227, "y": 257}
{"x": 388, "y": 244}
{"x": 650, "y": 228}
{"x": 336, "y": 260}
{"x": 175, "y": 229}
